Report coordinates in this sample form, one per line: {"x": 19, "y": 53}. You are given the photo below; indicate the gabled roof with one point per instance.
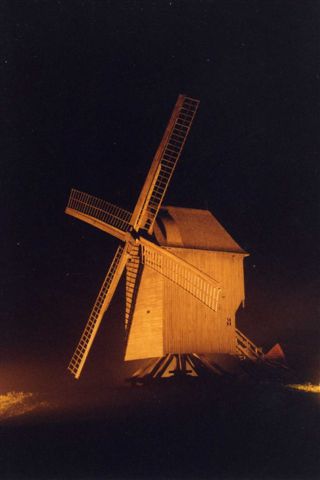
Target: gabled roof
{"x": 192, "y": 228}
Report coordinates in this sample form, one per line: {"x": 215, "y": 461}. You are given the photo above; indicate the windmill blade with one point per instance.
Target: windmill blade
{"x": 102, "y": 302}
{"x": 163, "y": 164}
{"x": 99, "y": 213}
{"x": 132, "y": 282}
{"x": 188, "y": 277}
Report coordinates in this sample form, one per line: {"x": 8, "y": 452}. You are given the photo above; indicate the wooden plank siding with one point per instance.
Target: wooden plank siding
{"x": 190, "y": 326}
{"x": 167, "y": 319}
{"x": 145, "y": 338}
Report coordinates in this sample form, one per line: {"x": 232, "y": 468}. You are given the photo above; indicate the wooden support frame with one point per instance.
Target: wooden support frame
{"x": 176, "y": 366}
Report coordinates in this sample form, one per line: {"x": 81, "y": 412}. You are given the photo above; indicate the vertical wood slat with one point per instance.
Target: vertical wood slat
{"x": 188, "y": 324}
{"x": 145, "y": 332}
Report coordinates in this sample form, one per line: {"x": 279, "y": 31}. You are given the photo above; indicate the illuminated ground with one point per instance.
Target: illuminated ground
{"x": 15, "y": 404}
{"x": 198, "y": 430}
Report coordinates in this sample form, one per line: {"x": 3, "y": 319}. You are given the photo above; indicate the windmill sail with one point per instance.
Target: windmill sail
{"x": 99, "y": 213}
{"x": 102, "y": 302}
{"x": 188, "y": 277}
{"x": 133, "y": 273}
{"x": 164, "y": 163}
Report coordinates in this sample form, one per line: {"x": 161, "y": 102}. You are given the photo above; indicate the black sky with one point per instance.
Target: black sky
{"x": 87, "y": 89}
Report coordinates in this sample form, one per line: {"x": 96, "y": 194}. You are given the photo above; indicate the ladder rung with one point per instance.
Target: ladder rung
{"x": 185, "y": 117}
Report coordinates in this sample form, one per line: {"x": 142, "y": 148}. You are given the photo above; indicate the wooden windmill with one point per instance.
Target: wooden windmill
{"x": 184, "y": 272}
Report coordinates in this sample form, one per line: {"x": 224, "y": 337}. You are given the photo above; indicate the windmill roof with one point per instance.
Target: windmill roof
{"x": 193, "y": 228}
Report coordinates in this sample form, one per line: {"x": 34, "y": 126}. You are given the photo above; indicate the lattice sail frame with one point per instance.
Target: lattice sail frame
{"x": 164, "y": 163}
{"x": 99, "y": 209}
{"x": 99, "y": 213}
{"x": 101, "y": 304}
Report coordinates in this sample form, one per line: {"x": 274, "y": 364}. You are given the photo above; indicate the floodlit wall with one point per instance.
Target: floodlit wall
{"x": 146, "y": 324}
{"x": 167, "y": 319}
{"x": 190, "y": 326}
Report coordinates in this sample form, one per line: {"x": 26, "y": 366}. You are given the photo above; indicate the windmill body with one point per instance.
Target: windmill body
{"x": 166, "y": 318}
{"x": 184, "y": 272}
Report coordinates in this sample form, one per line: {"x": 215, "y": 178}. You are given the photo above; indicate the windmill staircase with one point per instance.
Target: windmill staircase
{"x": 246, "y": 349}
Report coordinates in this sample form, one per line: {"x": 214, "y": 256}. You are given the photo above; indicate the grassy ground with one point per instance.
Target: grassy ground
{"x": 181, "y": 430}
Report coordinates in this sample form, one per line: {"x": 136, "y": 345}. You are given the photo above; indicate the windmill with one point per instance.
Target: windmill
{"x": 184, "y": 272}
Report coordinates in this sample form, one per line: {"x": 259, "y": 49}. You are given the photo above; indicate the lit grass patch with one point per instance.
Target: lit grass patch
{"x": 305, "y": 387}
{"x": 18, "y": 403}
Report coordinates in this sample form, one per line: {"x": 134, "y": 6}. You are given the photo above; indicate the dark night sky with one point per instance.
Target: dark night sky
{"x": 87, "y": 89}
